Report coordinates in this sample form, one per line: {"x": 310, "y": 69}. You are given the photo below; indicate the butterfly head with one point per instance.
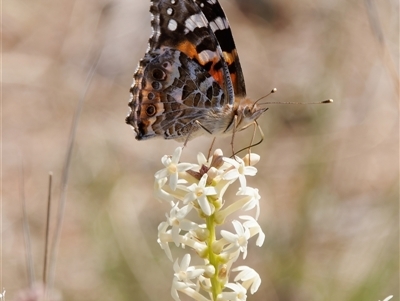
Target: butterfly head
{"x": 247, "y": 112}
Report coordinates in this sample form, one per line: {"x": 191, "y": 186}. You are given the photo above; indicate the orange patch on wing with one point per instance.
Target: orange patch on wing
{"x": 218, "y": 75}
{"x": 230, "y": 57}
{"x": 188, "y": 48}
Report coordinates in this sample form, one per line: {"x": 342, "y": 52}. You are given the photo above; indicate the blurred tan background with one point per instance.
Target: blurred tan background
{"x": 328, "y": 175}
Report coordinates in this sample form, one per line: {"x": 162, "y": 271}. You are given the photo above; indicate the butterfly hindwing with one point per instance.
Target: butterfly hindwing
{"x": 171, "y": 93}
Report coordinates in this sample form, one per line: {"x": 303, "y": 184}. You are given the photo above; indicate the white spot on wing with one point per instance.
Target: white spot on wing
{"x": 172, "y": 25}
{"x": 207, "y": 56}
{"x": 170, "y": 11}
{"x": 219, "y": 23}
{"x": 195, "y": 21}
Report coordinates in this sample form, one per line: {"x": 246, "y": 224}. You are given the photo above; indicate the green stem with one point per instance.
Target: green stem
{"x": 213, "y": 258}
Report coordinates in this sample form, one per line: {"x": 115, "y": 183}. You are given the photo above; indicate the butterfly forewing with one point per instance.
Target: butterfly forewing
{"x": 219, "y": 24}
{"x": 182, "y": 25}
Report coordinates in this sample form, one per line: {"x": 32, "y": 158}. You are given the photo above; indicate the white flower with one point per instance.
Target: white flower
{"x": 172, "y": 168}
{"x": 240, "y": 171}
{"x": 200, "y": 233}
{"x": 251, "y": 159}
{"x": 160, "y": 193}
{"x": 238, "y": 240}
{"x": 3, "y": 295}
{"x": 185, "y": 273}
{"x": 200, "y": 192}
{"x": 192, "y": 242}
{"x": 238, "y": 294}
{"x": 164, "y": 236}
{"x": 178, "y": 222}
{"x": 254, "y": 198}
{"x": 201, "y": 159}
{"x": 179, "y": 286}
{"x": 183, "y": 276}
{"x": 249, "y": 277}
{"x": 254, "y": 228}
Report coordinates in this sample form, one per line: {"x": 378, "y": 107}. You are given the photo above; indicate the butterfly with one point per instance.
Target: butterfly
{"x": 190, "y": 81}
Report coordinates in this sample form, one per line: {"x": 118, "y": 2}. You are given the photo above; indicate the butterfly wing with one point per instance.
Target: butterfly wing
{"x": 181, "y": 25}
{"x": 172, "y": 94}
{"x": 219, "y": 24}
{"x": 196, "y": 84}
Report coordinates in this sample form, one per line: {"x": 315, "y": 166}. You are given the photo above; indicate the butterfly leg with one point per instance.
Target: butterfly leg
{"x": 191, "y": 130}
{"x": 255, "y": 123}
{"x": 203, "y": 127}
{"x": 211, "y": 147}
{"x": 233, "y": 134}
{"x": 208, "y": 131}
{"x": 252, "y": 137}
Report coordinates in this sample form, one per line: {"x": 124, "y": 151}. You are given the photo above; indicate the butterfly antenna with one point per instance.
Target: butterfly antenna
{"x": 296, "y": 103}
{"x": 288, "y": 102}
{"x": 271, "y": 92}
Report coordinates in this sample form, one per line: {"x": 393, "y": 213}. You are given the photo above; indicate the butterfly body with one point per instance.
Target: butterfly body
{"x": 190, "y": 81}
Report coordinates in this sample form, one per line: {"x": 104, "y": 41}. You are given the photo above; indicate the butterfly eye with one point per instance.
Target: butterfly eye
{"x": 247, "y": 111}
{"x": 151, "y": 110}
{"x": 158, "y": 74}
{"x": 150, "y": 96}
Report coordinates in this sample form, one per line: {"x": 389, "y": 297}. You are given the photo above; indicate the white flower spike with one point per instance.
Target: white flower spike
{"x": 202, "y": 186}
